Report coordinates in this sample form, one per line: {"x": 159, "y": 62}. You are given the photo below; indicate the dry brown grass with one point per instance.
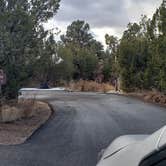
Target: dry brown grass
{"x": 14, "y": 110}
{"x": 28, "y": 107}
{"x": 90, "y": 86}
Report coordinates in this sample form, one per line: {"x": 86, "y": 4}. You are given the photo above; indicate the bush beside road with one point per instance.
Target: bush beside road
{"x": 90, "y": 86}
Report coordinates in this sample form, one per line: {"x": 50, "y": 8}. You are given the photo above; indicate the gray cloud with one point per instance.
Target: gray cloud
{"x": 99, "y": 13}
{"x": 145, "y": 1}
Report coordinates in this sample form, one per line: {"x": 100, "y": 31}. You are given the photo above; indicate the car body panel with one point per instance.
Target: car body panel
{"x": 121, "y": 143}
{"x": 132, "y": 154}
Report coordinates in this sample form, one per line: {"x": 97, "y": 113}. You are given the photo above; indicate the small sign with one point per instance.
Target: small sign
{"x": 2, "y": 77}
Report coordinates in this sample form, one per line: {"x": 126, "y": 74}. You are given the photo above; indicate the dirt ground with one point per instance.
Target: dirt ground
{"x": 150, "y": 96}
{"x": 19, "y": 131}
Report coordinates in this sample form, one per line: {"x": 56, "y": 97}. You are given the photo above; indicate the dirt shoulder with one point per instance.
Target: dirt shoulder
{"x": 19, "y": 131}
{"x": 154, "y": 97}
{"x": 150, "y": 96}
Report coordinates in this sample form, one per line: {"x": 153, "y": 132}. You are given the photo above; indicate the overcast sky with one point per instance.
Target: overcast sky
{"x": 104, "y": 16}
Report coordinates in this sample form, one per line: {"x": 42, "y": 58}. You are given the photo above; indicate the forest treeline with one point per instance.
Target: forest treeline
{"x": 142, "y": 53}
{"x": 30, "y": 52}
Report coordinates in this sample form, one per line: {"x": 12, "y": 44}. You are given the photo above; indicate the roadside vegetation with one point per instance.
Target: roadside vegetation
{"x": 14, "y": 110}
{"x": 142, "y": 53}
{"x": 90, "y": 86}
{"x": 30, "y": 53}
{"x": 26, "y": 52}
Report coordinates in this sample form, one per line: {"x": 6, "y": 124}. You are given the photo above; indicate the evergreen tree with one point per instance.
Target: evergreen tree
{"x": 21, "y": 37}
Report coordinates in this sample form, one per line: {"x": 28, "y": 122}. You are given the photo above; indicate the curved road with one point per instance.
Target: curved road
{"x": 84, "y": 123}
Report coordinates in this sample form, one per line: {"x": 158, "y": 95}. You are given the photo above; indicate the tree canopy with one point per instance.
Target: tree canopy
{"x": 142, "y": 53}
{"x": 22, "y": 37}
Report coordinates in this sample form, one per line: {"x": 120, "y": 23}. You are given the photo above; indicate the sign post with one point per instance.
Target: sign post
{"x": 2, "y": 82}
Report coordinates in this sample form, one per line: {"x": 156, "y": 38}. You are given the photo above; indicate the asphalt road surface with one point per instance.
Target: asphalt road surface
{"x": 83, "y": 125}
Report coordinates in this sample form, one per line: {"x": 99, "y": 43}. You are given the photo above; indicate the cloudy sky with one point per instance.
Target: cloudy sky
{"x": 104, "y": 16}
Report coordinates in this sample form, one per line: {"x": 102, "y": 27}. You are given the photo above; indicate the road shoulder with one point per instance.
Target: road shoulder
{"x": 17, "y": 132}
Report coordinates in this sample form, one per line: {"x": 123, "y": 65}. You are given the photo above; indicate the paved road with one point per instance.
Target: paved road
{"x": 82, "y": 125}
